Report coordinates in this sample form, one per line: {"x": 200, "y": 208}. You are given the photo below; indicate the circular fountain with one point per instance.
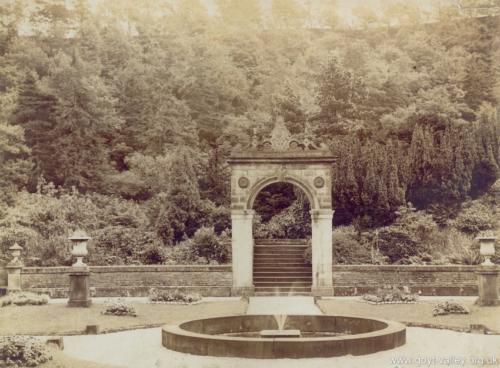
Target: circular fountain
{"x": 294, "y": 336}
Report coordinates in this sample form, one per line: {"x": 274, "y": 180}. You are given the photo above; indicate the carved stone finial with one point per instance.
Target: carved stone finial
{"x": 281, "y": 139}
{"x": 280, "y": 136}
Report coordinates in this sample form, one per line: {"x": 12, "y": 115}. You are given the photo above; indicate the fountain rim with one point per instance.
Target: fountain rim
{"x": 391, "y": 327}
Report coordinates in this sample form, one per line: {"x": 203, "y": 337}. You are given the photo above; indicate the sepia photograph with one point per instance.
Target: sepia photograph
{"x": 249, "y": 183}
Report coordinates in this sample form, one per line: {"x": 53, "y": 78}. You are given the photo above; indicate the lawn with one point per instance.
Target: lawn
{"x": 419, "y": 314}
{"x": 58, "y": 319}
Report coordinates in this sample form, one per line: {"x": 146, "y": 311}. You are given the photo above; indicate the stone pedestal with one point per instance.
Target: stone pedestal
{"x": 488, "y": 287}
{"x": 14, "y": 277}
{"x": 79, "y": 290}
{"x": 322, "y": 252}
{"x": 242, "y": 248}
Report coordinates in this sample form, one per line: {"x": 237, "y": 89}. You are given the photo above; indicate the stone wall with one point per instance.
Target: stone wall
{"x": 426, "y": 280}
{"x": 132, "y": 280}
{"x": 216, "y": 280}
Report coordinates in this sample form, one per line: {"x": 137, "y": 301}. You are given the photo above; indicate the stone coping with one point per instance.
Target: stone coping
{"x": 278, "y": 157}
{"x": 281, "y": 241}
{"x": 412, "y": 268}
{"x": 132, "y": 268}
{"x": 227, "y": 268}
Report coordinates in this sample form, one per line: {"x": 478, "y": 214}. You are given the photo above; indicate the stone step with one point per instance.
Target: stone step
{"x": 271, "y": 253}
{"x": 288, "y": 269}
{"x": 282, "y": 279}
{"x": 284, "y": 293}
{"x": 282, "y": 284}
{"x": 279, "y": 273}
{"x": 279, "y": 258}
{"x": 259, "y": 250}
{"x": 284, "y": 289}
{"x": 278, "y": 255}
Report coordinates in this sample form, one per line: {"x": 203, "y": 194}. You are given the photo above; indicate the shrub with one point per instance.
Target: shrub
{"x": 22, "y": 351}
{"x": 41, "y": 223}
{"x": 292, "y": 222}
{"x": 475, "y": 218}
{"x": 23, "y": 298}
{"x": 182, "y": 253}
{"x": 460, "y": 248}
{"x": 396, "y": 244}
{"x": 119, "y": 308}
{"x": 217, "y": 217}
{"x": 206, "y": 244}
{"x": 410, "y": 238}
{"x": 165, "y": 296}
{"x": 154, "y": 254}
{"x": 449, "y": 307}
{"x": 349, "y": 247}
{"x": 391, "y": 294}
{"x": 119, "y": 245}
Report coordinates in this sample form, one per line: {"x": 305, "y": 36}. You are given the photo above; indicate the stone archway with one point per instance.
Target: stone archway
{"x": 282, "y": 158}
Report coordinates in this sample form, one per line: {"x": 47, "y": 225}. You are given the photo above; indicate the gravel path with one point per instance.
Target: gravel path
{"x": 282, "y": 305}
{"x": 143, "y": 349}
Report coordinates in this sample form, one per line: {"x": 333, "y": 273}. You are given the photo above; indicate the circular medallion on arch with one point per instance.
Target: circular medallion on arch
{"x": 243, "y": 182}
{"x": 319, "y": 182}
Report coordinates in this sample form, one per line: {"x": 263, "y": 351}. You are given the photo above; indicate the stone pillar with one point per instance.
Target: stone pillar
{"x": 14, "y": 268}
{"x": 488, "y": 273}
{"x": 322, "y": 252}
{"x": 79, "y": 288}
{"x": 488, "y": 287}
{"x": 242, "y": 252}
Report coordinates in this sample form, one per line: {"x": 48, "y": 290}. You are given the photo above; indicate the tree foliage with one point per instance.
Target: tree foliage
{"x": 144, "y": 102}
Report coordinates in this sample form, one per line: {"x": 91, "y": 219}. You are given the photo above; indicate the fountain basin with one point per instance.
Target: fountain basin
{"x": 279, "y": 333}
{"x": 322, "y": 336}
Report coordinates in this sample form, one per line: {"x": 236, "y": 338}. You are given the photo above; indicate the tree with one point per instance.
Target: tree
{"x": 15, "y": 165}
{"x": 68, "y": 117}
{"x": 339, "y": 95}
{"x": 181, "y": 204}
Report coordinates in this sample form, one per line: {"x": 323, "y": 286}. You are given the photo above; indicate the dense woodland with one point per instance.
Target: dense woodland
{"x": 117, "y": 117}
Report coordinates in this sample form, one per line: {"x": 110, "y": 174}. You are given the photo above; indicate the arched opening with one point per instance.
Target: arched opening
{"x": 282, "y": 211}
{"x": 282, "y": 234}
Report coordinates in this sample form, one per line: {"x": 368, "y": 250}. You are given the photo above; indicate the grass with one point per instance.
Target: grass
{"x": 58, "y": 319}
{"x": 416, "y": 314}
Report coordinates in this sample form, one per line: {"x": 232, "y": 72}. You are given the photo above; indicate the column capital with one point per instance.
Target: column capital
{"x": 242, "y": 214}
{"x": 326, "y": 214}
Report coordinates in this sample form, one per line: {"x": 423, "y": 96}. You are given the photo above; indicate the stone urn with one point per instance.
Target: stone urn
{"x": 487, "y": 249}
{"x": 79, "y": 240}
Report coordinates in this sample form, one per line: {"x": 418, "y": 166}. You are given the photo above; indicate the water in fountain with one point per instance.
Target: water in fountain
{"x": 280, "y": 320}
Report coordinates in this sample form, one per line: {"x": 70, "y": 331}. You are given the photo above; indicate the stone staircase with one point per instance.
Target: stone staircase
{"x": 279, "y": 268}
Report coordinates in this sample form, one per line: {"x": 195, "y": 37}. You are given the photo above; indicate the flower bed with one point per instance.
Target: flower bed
{"x": 391, "y": 295}
{"x": 449, "y": 307}
{"x": 173, "y": 297}
{"x": 22, "y": 351}
{"x": 23, "y": 298}
{"x": 119, "y": 308}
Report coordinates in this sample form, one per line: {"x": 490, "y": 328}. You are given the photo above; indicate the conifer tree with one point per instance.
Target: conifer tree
{"x": 181, "y": 205}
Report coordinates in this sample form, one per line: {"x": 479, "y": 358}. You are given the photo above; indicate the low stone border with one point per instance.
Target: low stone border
{"x": 444, "y": 327}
